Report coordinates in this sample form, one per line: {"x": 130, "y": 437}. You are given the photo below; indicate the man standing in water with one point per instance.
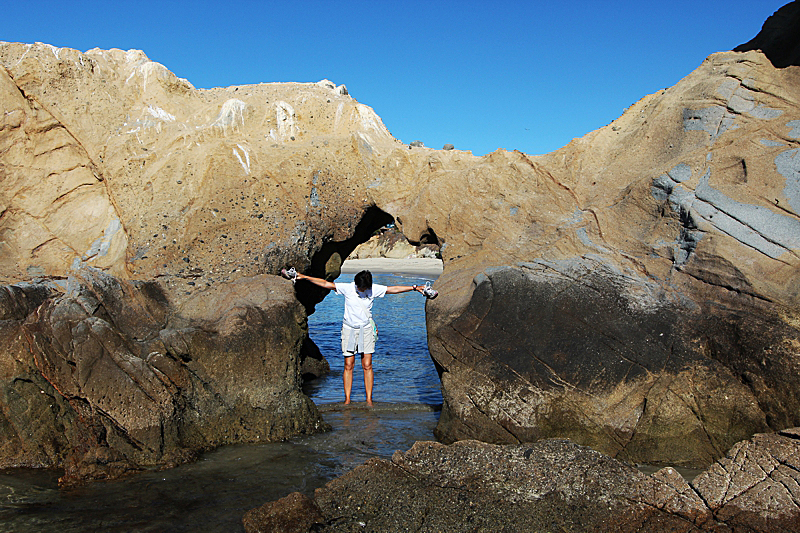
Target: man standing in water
{"x": 358, "y": 333}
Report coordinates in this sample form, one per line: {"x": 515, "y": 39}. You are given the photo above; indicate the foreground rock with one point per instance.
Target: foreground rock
{"x": 110, "y": 377}
{"x": 552, "y": 485}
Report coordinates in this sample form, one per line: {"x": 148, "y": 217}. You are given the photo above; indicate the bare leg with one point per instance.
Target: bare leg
{"x": 347, "y": 377}
{"x": 369, "y": 377}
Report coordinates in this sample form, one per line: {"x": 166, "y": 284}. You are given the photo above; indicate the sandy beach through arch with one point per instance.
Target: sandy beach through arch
{"x": 422, "y": 267}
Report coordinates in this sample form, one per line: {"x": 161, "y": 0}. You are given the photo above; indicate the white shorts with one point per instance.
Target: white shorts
{"x": 357, "y": 340}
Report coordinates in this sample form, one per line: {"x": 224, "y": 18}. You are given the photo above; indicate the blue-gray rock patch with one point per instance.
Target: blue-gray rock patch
{"x": 714, "y": 120}
{"x": 788, "y": 165}
{"x": 794, "y": 133}
{"x": 681, "y": 172}
{"x": 768, "y": 142}
{"x": 771, "y": 233}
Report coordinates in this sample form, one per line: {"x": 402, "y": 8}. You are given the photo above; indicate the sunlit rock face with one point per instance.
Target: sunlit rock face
{"x": 110, "y": 159}
{"x": 636, "y": 291}
{"x": 157, "y": 208}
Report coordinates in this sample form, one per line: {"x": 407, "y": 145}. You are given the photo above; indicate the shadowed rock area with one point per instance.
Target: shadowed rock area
{"x": 778, "y": 38}
{"x": 636, "y": 291}
{"x": 108, "y": 378}
{"x": 551, "y": 485}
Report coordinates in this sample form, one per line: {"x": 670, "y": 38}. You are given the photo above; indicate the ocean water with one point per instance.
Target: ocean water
{"x": 402, "y": 365}
{"x": 213, "y": 494}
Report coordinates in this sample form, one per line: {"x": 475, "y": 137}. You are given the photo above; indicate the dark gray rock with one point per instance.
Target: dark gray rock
{"x": 312, "y": 363}
{"x": 295, "y": 513}
{"x": 111, "y": 377}
{"x": 574, "y": 349}
{"x": 20, "y": 300}
{"x": 556, "y": 485}
{"x": 778, "y": 37}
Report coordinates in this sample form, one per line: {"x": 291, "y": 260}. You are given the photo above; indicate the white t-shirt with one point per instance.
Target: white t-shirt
{"x": 355, "y": 314}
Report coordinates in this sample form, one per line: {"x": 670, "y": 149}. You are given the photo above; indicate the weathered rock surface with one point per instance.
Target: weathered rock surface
{"x": 108, "y": 160}
{"x": 551, "y": 485}
{"x": 166, "y": 179}
{"x": 637, "y": 291}
{"x": 109, "y": 378}
{"x": 295, "y": 513}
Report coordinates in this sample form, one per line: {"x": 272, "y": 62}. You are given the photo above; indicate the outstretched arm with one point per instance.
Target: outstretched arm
{"x": 325, "y": 284}
{"x": 397, "y": 289}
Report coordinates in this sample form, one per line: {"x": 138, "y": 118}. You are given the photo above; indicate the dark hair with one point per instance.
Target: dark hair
{"x": 363, "y": 280}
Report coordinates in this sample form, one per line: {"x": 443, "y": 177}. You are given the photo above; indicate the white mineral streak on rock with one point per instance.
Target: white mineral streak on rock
{"x": 370, "y": 120}
{"x": 284, "y": 114}
{"x": 142, "y": 66}
{"x": 27, "y": 49}
{"x": 56, "y": 51}
{"x": 370, "y": 126}
{"x": 134, "y": 55}
{"x": 246, "y": 162}
{"x": 366, "y": 141}
{"x": 139, "y": 64}
{"x": 230, "y": 116}
{"x": 339, "y": 109}
{"x": 101, "y": 246}
{"x": 160, "y": 113}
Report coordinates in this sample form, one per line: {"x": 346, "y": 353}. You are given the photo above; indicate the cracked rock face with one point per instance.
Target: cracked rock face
{"x": 167, "y": 180}
{"x": 164, "y": 207}
{"x": 552, "y": 485}
{"x": 600, "y": 363}
{"x": 109, "y": 378}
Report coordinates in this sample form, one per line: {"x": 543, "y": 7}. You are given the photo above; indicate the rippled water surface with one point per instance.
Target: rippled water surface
{"x": 212, "y": 494}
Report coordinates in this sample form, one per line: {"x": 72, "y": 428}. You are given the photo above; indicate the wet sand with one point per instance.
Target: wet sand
{"x": 421, "y": 267}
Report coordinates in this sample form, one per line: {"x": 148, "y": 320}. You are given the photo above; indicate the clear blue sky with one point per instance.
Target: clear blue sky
{"x": 480, "y": 75}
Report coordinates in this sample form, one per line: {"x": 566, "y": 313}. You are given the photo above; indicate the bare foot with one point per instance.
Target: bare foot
{"x": 369, "y": 403}
{"x": 347, "y": 401}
